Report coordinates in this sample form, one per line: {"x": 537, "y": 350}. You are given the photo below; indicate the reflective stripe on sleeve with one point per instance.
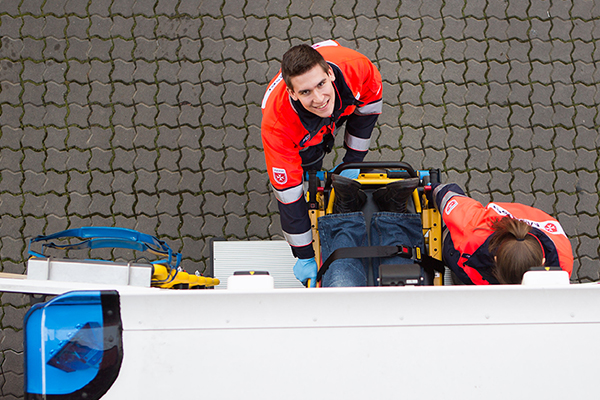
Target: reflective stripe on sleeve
{"x": 445, "y": 200}
{"x": 373, "y": 108}
{"x": 298, "y": 239}
{"x": 290, "y": 195}
{"x": 356, "y": 143}
{"x": 270, "y": 90}
{"x": 325, "y": 43}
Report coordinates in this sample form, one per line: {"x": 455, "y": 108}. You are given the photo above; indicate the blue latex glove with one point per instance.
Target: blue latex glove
{"x": 306, "y": 269}
{"x": 348, "y": 173}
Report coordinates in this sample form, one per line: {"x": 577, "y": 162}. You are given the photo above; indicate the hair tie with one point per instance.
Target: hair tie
{"x": 520, "y": 239}
{"x": 540, "y": 243}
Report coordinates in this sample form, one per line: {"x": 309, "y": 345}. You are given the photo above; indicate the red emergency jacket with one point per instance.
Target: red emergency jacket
{"x": 466, "y": 247}
{"x": 293, "y": 137}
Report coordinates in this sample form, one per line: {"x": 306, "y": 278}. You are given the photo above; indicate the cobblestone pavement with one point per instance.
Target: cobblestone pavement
{"x": 145, "y": 114}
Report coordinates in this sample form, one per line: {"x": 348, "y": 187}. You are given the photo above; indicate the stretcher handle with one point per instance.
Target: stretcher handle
{"x": 372, "y": 165}
{"x": 313, "y": 184}
{"x": 377, "y": 164}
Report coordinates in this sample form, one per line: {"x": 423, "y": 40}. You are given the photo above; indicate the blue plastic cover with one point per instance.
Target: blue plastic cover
{"x": 73, "y": 345}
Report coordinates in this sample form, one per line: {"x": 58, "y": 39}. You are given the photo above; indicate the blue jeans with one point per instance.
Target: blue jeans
{"x": 350, "y": 230}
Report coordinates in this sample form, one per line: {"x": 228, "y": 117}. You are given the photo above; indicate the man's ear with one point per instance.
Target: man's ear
{"x": 331, "y": 74}
{"x": 291, "y": 93}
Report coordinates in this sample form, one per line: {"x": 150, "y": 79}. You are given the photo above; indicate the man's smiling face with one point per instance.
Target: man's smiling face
{"x": 314, "y": 89}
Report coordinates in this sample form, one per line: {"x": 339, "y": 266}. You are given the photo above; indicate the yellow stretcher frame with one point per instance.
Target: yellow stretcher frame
{"x": 430, "y": 218}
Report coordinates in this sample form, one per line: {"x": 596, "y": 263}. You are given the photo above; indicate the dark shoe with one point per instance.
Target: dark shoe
{"x": 349, "y": 196}
{"x": 394, "y": 196}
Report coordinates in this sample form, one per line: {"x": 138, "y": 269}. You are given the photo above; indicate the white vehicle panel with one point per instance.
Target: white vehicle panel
{"x": 421, "y": 342}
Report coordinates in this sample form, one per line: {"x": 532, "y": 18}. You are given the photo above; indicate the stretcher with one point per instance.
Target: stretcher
{"x": 427, "y": 267}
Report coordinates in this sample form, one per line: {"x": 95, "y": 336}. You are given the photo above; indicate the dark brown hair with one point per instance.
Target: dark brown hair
{"x": 298, "y": 60}
{"x": 515, "y": 248}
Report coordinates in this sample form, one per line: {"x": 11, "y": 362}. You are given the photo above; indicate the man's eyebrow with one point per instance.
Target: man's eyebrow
{"x": 308, "y": 90}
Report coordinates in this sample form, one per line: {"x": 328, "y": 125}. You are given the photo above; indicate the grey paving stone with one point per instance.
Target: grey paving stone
{"x": 476, "y": 93}
{"x": 586, "y": 138}
{"x": 501, "y": 182}
{"x": 13, "y": 361}
{"x": 563, "y": 115}
{"x": 124, "y": 7}
{"x": 409, "y": 28}
{"x": 32, "y": 49}
{"x": 542, "y": 116}
{"x": 144, "y": 159}
{"x": 517, "y": 9}
{"x": 522, "y": 159}
{"x": 561, "y": 51}
{"x": 475, "y": 49}
{"x": 540, "y": 30}
{"x": 580, "y": 94}
{"x": 587, "y": 202}
{"x": 166, "y": 49}
{"x": 99, "y": 71}
{"x": 561, "y": 72}
{"x": 453, "y": 28}
{"x": 497, "y": 28}
{"x": 588, "y": 271}
{"x": 100, "y": 26}
{"x": 542, "y": 159}
{"x": 214, "y": 204}
{"x": 565, "y": 181}
{"x": 522, "y": 182}
{"x": 583, "y": 51}
{"x": 434, "y": 137}
{"x": 478, "y": 138}
{"x": 145, "y": 204}
{"x": 566, "y": 203}
{"x": 101, "y": 182}
{"x": 560, "y": 10}
{"x": 541, "y": 94}
{"x": 478, "y": 159}
{"x": 477, "y": 116}
{"x": 564, "y": 137}
{"x": 123, "y": 204}
{"x": 587, "y": 181}
{"x": 520, "y": 116}
{"x": 122, "y": 27}
{"x": 99, "y": 115}
{"x": 475, "y": 28}
{"x": 191, "y": 204}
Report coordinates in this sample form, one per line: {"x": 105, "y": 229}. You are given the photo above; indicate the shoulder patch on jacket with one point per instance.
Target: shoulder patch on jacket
{"x": 450, "y": 206}
{"x": 280, "y": 175}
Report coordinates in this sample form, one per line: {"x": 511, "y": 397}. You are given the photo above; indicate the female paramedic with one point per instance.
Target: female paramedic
{"x": 498, "y": 243}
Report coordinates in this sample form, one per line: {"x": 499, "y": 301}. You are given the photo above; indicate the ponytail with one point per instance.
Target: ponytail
{"x": 516, "y": 249}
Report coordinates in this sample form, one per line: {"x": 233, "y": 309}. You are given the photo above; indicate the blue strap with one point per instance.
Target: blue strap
{"x": 108, "y": 237}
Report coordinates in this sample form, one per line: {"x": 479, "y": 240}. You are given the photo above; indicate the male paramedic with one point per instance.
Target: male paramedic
{"x": 318, "y": 89}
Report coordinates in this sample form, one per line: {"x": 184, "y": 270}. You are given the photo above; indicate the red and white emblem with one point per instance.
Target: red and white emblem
{"x": 450, "y": 206}
{"x": 551, "y": 227}
{"x": 280, "y": 175}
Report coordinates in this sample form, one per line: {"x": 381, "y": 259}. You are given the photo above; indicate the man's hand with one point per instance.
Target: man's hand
{"x": 306, "y": 269}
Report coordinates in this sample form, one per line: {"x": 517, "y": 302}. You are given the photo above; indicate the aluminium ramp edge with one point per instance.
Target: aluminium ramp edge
{"x": 273, "y": 256}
